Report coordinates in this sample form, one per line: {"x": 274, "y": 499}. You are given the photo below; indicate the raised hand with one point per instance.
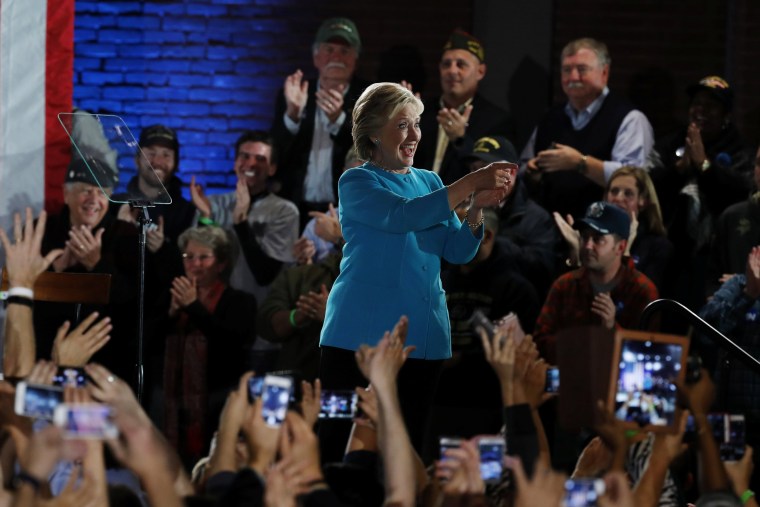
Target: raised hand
{"x": 86, "y": 247}
{"x": 545, "y": 488}
{"x": 408, "y": 86}
{"x": 184, "y": 290}
{"x": 559, "y": 158}
{"x": 695, "y": 148}
{"x": 603, "y": 306}
{"x": 200, "y": 201}
{"x": 454, "y": 124}
{"x": 304, "y": 250}
{"x": 327, "y": 225}
{"x": 314, "y": 304}
{"x": 572, "y": 236}
{"x": 242, "y": 202}
{"x": 75, "y": 348}
{"x": 154, "y": 239}
{"x": 331, "y": 102}
{"x": 311, "y": 401}
{"x": 296, "y": 91}
{"x": 23, "y": 259}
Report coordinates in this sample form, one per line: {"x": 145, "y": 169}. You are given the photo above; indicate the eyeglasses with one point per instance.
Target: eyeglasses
{"x": 192, "y": 257}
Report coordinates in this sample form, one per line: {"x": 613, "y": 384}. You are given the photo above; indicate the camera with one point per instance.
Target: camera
{"x": 491, "y": 458}
{"x": 91, "y": 420}
{"x": 583, "y": 492}
{"x": 37, "y": 401}
{"x": 275, "y": 397}
{"x": 338, "y": 404}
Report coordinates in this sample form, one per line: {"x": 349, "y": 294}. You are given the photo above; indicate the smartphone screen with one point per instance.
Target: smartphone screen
{"x": 645, "y": 392}
{"x": 446, "y": 443}
{"x": 552, "y": 380}
{"x": 70, "y": 376}
{"x": 491, "y": 458}
{"x": 734, "y": 438}
{"x": 255, "y": 387}
{"x": 275, "y": 397}
{"x": 582, "y": 492}
{"x": 37, "y": 401}
{"x": 91, "y": 420}
{"x": 338, "y": 404}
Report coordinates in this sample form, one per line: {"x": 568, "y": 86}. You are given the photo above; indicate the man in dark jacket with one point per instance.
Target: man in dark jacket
{"x": 528, "y": 238}
{"x": 312, "y": 120}
{"x": 452, "y": 122}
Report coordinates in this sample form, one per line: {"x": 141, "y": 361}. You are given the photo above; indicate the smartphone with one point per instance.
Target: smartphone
{"x": 734, "y": 439}
{"x": 491, "y": 458}
{"x": 511, "y": 319}
{"x": 479, "y": 319}
{"x": 582, "y": 492}
{"x": 446, "y": 443}
{"x": 338, "y": 404}
{"x": 275, "y": 397}
{"x": 37, "y": 401}
{"x": 90, "y": 420}
{"x": 255, "y": 386}
{"x": 552, "y": 380}
{"x": 70, "y": 376}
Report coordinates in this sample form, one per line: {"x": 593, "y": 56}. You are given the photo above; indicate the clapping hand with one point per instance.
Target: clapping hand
{"x": 604, "y": 306}
{"x": 314, "y": 304}
{"x": 331, "y": 102}
{"x": 454, "y": 124}
{"x": 84, "y": 246}
{"x": 752, "y": 288}
{"x": 327, "y": 225}
{"x": 200, "y": 201}
{"x": 296, "y": 92}
{"x": 242, "y": 201}
{"x": 559, "y": 158}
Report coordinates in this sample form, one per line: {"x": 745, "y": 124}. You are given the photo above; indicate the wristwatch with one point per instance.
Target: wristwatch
{"x": 582, "y": 166}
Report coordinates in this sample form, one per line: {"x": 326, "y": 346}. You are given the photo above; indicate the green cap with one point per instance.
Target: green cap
{"x": 339, "y": 28}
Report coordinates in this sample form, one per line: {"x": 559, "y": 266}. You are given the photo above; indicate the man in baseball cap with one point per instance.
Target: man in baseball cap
{"x": 605, "y": 291}
{"x": 312, "y": 120}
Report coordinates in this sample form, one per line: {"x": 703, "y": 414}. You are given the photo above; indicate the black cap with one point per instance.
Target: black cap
{"x": 493, "y": 149}
{"x": 718, "y": 88}
{"x": 79, "y": 172}
{"x": 605, "y": 218}
{"x": 159, "y": 134}
{"x": 459, "y": 39}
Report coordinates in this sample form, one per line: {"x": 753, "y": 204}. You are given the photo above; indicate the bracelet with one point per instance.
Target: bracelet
{"x": 206, "y": 221}
{"x": 24, "y": 478}
{"x": 23, "y": 292}
{"x": 19, "y": 300}
{"x": 480, "y": 222}
{"x": 747, "y": 495}
{"x": 293, "y": 318}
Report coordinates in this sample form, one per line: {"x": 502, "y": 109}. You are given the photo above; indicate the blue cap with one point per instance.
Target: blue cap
{"x": 606, "y": 218}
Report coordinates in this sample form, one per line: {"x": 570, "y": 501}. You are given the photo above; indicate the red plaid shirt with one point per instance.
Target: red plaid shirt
{"x": 569, "y": 304}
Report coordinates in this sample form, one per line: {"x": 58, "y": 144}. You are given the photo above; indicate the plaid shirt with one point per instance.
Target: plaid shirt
{"x": 569, "y": 304}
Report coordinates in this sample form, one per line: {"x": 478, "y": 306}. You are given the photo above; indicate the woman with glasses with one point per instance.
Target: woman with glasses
{"x": 210, "y": 326}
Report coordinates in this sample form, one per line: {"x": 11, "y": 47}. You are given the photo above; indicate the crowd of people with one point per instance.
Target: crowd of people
{"x": 366, "y": 230}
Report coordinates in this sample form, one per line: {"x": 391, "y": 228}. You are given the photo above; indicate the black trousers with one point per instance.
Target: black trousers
{"x": 417, "y": 382}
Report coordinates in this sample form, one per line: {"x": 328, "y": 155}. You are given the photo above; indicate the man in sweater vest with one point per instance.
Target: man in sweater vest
{"x": 578, "y": 145}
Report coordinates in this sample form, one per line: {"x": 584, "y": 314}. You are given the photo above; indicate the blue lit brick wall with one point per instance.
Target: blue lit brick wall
{"x": 208, "y": 69}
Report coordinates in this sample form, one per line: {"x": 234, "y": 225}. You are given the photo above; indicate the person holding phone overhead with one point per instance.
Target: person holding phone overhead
{"x": 398, "y": 223}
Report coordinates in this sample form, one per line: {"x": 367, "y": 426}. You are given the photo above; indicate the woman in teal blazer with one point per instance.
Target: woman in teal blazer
{"x": 398, "y": 223}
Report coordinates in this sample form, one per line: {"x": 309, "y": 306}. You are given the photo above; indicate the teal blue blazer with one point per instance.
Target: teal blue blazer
{"x": 397, "y": 228}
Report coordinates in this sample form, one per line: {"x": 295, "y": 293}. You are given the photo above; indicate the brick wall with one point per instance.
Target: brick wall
{"x": 212, "y": 68}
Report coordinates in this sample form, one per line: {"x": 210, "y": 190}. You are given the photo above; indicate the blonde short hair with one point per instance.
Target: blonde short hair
{"x": 377, "y": 104}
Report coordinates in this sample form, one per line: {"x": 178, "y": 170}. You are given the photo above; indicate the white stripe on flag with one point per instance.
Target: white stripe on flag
{"x": 23, "y": 28}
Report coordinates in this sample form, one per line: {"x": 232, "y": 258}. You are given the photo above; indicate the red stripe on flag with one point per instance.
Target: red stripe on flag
{"x": 59, "y": 84}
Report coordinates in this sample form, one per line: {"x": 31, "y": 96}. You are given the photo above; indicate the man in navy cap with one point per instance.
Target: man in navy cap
{"x": 312, "y": 120}
{"x": 605, "y": 291}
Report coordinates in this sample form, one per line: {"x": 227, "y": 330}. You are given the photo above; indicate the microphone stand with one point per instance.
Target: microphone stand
{"x": 143, "y": 219}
